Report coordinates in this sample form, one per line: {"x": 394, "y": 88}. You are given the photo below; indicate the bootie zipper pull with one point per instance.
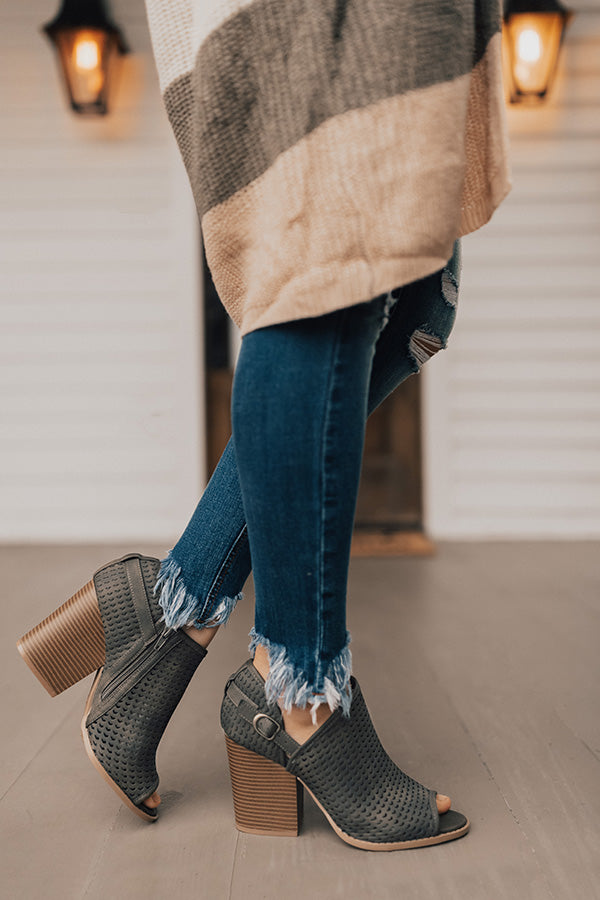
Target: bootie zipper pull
{"x": 163, "y": 637}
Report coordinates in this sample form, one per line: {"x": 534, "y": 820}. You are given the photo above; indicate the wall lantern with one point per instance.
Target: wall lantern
{"x": 88, "y": 45}
{"x": 533, "y": 33}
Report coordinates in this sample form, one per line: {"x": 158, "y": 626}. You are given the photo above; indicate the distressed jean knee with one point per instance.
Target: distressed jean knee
{"x": 435, "y": 298}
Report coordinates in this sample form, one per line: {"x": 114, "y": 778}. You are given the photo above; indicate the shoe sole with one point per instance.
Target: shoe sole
{"x": 394, "y": 845}
{"x": 147, "y": 817}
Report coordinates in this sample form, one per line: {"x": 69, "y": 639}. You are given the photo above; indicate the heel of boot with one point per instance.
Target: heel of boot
{"x": 266, "y": 798}
{"x": 68, "y": 644}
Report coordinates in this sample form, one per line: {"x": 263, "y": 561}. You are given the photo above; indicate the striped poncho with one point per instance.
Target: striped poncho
{"x": 336, "y": 148}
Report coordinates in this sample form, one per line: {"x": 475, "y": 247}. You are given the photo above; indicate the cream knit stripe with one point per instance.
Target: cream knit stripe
{"x": 171, "y": 32}
{"x": 179, "y": 27}
{"x": 332, "y": 222}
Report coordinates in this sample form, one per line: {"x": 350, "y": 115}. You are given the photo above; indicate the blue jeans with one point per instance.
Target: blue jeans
{"x": 282, "y": 498}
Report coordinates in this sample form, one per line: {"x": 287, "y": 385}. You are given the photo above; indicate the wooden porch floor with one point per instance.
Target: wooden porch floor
{"x": 481, "y": 669}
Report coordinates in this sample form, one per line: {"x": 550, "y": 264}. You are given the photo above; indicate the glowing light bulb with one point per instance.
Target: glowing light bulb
{"x": 87, "y": 56}
{"x": 529, "y": 46}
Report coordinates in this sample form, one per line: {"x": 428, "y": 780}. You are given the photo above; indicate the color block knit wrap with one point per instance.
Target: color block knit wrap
{"x": 335, "y": 148}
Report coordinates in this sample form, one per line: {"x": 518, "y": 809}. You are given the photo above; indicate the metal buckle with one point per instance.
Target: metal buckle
{"x": 265, "y": 716}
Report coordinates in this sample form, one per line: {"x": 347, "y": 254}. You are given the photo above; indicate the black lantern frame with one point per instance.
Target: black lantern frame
{"x": 531, "y": 73}
{"x": 88, "y": 44}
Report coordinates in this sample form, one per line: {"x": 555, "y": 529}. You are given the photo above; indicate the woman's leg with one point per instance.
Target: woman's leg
{"x": 299, "y": 408}
{"x": 299, "y": 453}
{"x": 203, "y": 575}
{"x": 201, "y": 578}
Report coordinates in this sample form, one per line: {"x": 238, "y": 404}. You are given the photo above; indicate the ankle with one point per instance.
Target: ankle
{"x": 298, "y": 720}
{"x": 261, "y": 661}
{"x": 202, "y": 636}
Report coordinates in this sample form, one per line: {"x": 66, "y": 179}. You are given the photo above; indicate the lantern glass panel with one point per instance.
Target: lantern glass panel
{"x": 533, "y": 42}
{"x": 86, "y": 56}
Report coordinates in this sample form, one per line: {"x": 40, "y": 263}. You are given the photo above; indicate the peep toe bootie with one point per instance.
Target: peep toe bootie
{"x": 369, "y": 802}
{"x": 113, "y": 624}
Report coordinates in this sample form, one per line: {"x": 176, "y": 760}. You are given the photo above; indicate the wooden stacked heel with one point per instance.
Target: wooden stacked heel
{"x": 266, "y": 798}
{"x": 68, "y": 644}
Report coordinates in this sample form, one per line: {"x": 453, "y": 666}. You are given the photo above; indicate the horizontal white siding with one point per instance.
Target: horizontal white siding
{"x": 101, "y": 396}
{"x": 513, "y": 405}
{"x": 100, "y": 357}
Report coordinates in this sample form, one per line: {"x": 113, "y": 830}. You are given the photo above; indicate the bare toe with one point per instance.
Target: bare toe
{"x": 153, "y": 801}
{"x": 443, "y": 803}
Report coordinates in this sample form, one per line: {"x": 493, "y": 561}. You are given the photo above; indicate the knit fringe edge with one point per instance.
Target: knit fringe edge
{"x": 287, "y": 684}
{"x": 181, "y": 607}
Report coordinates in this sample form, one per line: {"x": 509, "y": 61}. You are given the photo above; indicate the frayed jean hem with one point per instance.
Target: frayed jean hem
{"x": 181, "y": 607}
{"x": 287, "y": 684}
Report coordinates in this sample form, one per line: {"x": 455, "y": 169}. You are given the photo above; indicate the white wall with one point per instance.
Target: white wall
{"x": 101, "y": 395}
{"x": 513, "y": 405}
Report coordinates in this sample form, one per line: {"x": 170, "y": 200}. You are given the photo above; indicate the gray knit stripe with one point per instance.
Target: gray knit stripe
{"x": 249, "y": 96}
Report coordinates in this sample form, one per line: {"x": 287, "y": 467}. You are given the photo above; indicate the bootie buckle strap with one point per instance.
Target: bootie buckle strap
{"x": 264, "y": 725}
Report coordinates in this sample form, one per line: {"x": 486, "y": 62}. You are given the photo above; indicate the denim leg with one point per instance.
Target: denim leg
{"x": 299, "y": 410}
{"x": 202, "y": 577}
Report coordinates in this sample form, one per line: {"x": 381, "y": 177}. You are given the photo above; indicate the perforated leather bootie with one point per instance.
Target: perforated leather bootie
{"x": 112, "y": 624}
{"x": 369, "y": 802}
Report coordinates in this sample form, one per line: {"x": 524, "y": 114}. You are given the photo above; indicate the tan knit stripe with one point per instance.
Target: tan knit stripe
{"x": 332, "y": 222}
{"x": 486, "y": 142}
{"x": 273, "y": 73}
